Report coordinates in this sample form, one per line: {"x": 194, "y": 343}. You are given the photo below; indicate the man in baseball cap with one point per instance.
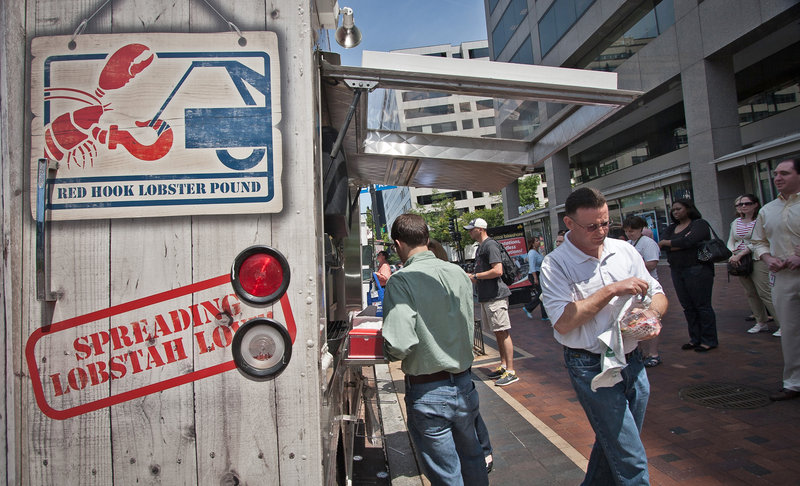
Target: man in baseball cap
{"x": 476, "y": 223}
{"x": 493, "y": 298}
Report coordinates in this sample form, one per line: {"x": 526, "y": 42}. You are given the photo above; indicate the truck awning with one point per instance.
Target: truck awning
{"x": 384, "y": 146}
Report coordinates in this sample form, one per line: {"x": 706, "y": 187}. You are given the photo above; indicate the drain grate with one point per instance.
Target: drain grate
{"x": 725, "y": 395}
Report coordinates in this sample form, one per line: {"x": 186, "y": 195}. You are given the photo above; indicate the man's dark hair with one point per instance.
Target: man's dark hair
{"x": 384, "y": 253}
{"x": 411, "y": 229}
{"x": 583, "y": 198}
{"x": 795, "y": 161}
{"x": 691, "y": 209}
{"x": 634, "y": 222}
{"x": 561, "y": 232}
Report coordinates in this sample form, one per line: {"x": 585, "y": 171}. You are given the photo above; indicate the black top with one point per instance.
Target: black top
{"x": 489, "y": 289}
{"x": 685, "y": 243}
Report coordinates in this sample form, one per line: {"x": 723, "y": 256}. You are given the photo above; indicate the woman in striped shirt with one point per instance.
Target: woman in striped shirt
{"x": 756, "y": 285}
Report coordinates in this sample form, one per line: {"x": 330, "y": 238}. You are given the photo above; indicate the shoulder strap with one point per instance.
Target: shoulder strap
{"x": 711, "y": 228}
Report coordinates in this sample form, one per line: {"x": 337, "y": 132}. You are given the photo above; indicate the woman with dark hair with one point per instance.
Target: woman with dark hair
{"x": 692, "y": 279}
{"x": 756, "y": 285}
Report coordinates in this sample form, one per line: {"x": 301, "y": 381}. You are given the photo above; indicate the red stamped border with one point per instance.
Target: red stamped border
{"x": 34, "y": 338}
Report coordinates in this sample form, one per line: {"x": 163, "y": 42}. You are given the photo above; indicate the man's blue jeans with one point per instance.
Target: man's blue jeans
{"x": 616, "y": 415}
{"x": 441, "y": 422}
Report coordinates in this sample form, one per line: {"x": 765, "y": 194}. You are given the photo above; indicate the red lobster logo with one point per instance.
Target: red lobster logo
{"x": 72, "y": 136}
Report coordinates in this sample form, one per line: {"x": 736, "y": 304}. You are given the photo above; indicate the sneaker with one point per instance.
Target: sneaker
{"x": 777, "y": 333}
{"x": 527, "y": 313}
{"x": 652, "y": 361}
{"x": 508, "y": 378}
{"x": 497, "y": 373}
{"x": 759, "y": 327}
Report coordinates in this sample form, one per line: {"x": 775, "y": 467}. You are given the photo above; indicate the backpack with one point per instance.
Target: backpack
{"x": 510, "y": 270}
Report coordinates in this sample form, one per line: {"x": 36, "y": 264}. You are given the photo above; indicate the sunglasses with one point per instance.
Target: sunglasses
{"x": 744, "y": 204}
{"x": 591, "y": 228}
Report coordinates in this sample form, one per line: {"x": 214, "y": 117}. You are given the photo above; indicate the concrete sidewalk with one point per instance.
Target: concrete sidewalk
{"x": 687, "y": 442}
{"x": 540, "y": 434}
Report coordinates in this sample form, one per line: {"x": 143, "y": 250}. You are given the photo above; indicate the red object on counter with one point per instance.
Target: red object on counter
{"x": 366, "y": 341}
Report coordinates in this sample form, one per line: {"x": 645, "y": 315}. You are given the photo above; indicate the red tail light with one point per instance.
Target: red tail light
{"x": 260, "y": 275}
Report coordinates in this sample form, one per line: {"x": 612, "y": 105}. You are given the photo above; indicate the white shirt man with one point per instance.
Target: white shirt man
{"x": 585, "y": 281}
{"x": 775, "y": 240}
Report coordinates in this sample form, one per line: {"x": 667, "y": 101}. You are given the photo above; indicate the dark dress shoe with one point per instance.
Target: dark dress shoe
{"x": 784, "y": 394}
{"x": 688, "y": 346}
{"x": 703, "y": 349}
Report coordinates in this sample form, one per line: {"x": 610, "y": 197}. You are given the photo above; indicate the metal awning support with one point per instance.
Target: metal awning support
{"x": 359, "y": 86}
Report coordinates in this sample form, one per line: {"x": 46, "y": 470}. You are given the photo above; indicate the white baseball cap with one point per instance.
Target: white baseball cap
{"x": 476, "y": 223}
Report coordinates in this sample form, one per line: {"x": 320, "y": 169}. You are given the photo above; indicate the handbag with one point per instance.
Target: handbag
{"x": 713, "y": 250}
{"x": 744, "y": 268}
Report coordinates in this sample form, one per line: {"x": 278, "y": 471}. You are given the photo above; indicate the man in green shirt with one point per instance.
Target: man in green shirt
{"x": 428, "y": 324}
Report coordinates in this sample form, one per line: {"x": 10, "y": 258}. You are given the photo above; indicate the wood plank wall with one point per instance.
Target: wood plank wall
{"x": 225, "y": 429}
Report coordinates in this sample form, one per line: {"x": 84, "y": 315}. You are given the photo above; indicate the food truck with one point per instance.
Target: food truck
{"x": 182, "y": 268}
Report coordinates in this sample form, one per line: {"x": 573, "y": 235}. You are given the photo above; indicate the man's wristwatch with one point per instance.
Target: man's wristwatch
{"x": 475, "y": 276}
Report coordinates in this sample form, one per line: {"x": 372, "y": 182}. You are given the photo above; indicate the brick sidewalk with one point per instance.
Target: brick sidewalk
{"x": 686, "y": 443}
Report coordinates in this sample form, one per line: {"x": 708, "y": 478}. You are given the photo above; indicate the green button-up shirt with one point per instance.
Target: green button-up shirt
{"x": 428, "y": 316}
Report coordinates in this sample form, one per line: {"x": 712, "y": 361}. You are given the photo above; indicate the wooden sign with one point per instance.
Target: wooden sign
{"x": 145, "y": 125}
{"x": 153, "y": 344}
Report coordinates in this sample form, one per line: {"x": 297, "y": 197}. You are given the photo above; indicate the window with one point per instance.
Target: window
{"x": 464, "y": 107}
{"x": 477, "y": 194}
{"x": 424, "y": 111}
{"x": 479, "y": 53}
{"x": 524, "y": 54}
{"x": 444, "y": 127}
{"x": 771, "y": 102}
{"x": 467, "y": 124}
{"x": 514, "y": 14}
{"x": 484, "y": 104}
{"x": 649, "y": 26}
{"x": 422, "y": 95}
{"x": 558, "y": 19}
{"x": 486, "y": 122}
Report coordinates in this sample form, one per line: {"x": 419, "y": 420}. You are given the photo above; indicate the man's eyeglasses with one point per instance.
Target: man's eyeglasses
{"x": 744, "y": 203}
{"x": 591, "y": 228}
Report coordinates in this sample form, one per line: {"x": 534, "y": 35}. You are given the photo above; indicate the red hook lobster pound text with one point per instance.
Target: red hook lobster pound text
{"x": 158, "y": 341}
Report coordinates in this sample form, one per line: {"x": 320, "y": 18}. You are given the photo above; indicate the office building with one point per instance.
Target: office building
{"x": 718, "y": 110}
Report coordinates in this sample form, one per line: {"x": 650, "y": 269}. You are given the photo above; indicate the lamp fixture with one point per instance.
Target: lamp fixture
{"x": 347, "y": 35}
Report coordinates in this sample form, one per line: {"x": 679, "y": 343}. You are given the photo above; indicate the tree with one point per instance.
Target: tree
{"x": 438, "y": 218}
{"x": 370, "y": 221}
{"x": 527, "y": 192}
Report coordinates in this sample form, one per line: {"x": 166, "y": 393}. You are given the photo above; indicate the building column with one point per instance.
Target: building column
{"x": 712, "y": 124}
{"x": 556, "y": 173}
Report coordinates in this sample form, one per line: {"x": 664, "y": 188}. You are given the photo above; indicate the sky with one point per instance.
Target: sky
{"x": 399, "y": 24}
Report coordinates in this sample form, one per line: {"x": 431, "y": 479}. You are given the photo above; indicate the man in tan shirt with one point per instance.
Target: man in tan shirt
{"x": 776, "y": 236}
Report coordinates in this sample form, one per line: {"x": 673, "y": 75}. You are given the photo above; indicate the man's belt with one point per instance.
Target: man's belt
{"x": 595, "y": 355}
{"x": 438, "y": 376}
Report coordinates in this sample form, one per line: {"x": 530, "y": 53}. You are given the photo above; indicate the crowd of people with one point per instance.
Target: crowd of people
{"x": 604, "y": 301}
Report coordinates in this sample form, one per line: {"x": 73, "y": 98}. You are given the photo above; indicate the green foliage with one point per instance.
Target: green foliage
{"x": 527, "y": 190}
{"x": 370, "y": 220}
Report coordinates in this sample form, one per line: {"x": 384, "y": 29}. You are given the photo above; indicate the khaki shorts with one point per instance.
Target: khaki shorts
{"x": 494, "y": 315}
